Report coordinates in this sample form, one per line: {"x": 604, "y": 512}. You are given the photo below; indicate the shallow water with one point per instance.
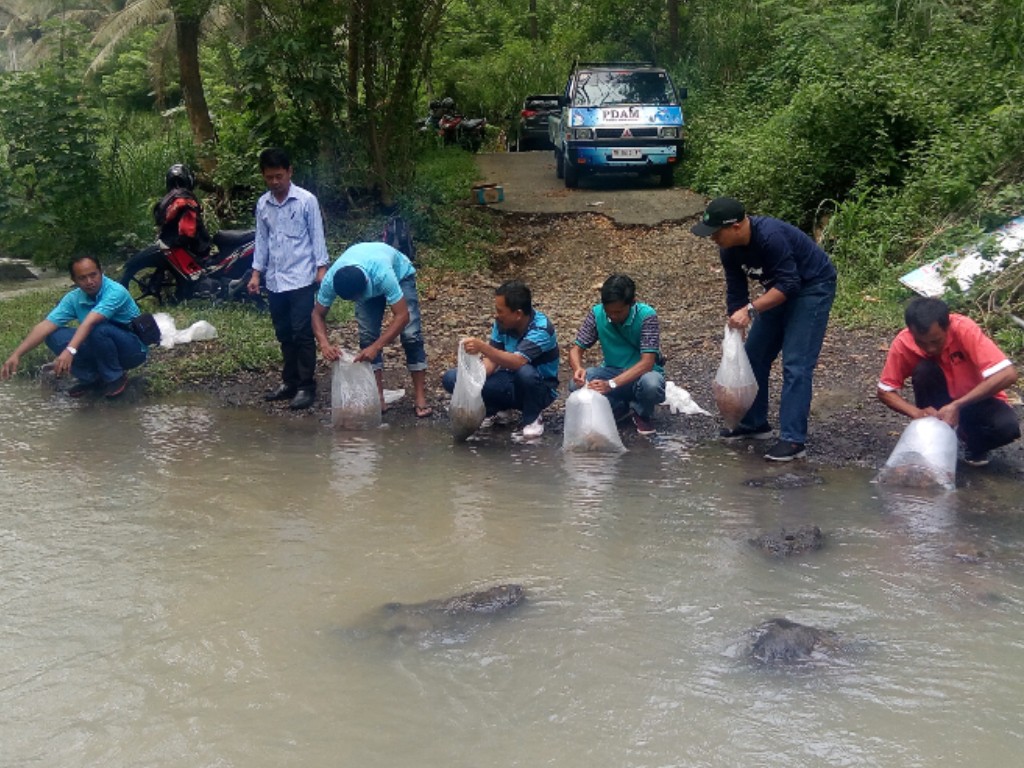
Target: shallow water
{"x": 188, "y": 586}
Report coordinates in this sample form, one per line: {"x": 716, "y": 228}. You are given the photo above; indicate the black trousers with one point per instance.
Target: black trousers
{"x": 291, "y": 313}
{"x": 984, "y": 425}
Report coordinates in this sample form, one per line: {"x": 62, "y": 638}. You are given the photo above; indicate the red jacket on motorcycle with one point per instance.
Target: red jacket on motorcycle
{"x": 180, "y": 218}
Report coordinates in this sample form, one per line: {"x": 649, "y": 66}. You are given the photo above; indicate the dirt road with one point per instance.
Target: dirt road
{"x": 530, "y": 185}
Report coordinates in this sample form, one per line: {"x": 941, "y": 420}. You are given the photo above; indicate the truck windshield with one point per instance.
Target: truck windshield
{"x": 608, "y": 88}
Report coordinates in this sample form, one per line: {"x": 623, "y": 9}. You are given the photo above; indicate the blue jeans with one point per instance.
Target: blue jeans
{"x": 796, "y": 328}
{"x": 522, "y": 390}
{"x": 370, "y": 319}
{"x": 642, "y": 395}
{"x": 107, "y": 352}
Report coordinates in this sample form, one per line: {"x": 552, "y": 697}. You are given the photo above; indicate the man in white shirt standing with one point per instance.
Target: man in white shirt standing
{"x": 292, "y": 252}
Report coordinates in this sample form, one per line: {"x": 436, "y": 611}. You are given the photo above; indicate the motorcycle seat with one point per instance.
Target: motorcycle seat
{"x": 228, "y": 240}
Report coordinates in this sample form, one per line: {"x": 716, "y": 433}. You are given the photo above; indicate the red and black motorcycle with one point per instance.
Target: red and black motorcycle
{"x": 173, "y": 274}
{"x": 452, "y": 127}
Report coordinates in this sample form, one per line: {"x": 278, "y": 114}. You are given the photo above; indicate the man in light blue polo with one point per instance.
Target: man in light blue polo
{"x": 629, "y": 332}
{"x": 374, "y": 275}
{"x": 99, "y": 349}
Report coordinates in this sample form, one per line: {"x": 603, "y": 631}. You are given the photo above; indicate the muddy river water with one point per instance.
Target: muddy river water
{"x": 188, "y": 586}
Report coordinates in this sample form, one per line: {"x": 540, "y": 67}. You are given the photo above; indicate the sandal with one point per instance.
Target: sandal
{"x": 424, "y": 411}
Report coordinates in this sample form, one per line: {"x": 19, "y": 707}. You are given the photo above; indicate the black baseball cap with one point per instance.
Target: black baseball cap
{"x": 721, "y": 212}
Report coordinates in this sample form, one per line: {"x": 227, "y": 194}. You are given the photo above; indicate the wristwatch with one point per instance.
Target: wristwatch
{"x": 751, "y": 311}
{"x": 71, "y": 349}
{"x": 612, "y": 384}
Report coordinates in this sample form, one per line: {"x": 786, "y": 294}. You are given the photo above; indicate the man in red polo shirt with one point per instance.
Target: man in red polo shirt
{"x": 958, "y": 374}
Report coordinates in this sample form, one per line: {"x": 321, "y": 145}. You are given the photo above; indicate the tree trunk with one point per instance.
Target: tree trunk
{"x": 673, "y": 28}
{"x": 533, "y": 19}
{"x": 186, "y": 31}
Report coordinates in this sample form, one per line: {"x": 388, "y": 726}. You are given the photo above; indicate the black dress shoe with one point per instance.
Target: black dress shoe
{"x": 303, "y": 399}
{"x": 283, "y": 392}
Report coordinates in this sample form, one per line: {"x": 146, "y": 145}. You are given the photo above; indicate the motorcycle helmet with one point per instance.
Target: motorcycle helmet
{"x": 448, "y": 102}
{"x": 180, "y": 177}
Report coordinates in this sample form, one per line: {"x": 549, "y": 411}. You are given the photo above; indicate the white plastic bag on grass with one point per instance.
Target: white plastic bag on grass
{"x": 735, "y": 386}
{"x": 590, "y": 423}
{"x": 924, "y": 457}
{"x": 355, "y": 402}
{"x": 467, "y": 410}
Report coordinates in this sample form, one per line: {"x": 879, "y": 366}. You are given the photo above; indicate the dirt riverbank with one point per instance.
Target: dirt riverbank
{"x": 565, "y": 258}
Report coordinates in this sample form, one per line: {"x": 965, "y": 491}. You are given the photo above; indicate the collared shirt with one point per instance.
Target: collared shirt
{"x": 384, "y": 267}
{"x": 112, "y": 301}
{"x": 968, "y": 358}
{"x": 778, "y": 255}
{"x": 538, "y": 344}
{"x": 622, "y": 344}
{"x": 290, "y": 244}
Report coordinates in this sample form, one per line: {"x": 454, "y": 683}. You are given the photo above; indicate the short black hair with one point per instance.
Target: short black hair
{"x": 618, "y": 287}
{"x": 75, "y": 259}
{"x": 517, "y": 296}
{"x": 923, "y": 312}
{"x": 274, "y": 157}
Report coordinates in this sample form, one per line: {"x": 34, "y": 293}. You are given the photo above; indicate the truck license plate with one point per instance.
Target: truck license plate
{"x": 626, "y": 154}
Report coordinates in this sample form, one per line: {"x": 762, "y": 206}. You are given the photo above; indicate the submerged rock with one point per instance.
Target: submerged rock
{"x": 806, "y": 538}
{"x": 445, "y": 621}
{"x": 783, "y": 481}
{"x": 781, "y": 641}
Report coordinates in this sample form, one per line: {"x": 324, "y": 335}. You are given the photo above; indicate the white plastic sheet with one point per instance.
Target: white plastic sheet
{"x": 924, "y": 456}
{"x": 590, "y": 423}
{"x": 355, "y": 402}
{"x": 678, "y": 400}
{"x": 170, "y": 336}
{"x": 735, "y": 386}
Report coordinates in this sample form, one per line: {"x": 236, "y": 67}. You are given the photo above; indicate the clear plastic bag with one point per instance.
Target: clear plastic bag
{"x": 735, "y": 386}
{"x": 355, "y": 402}
{"x": 924, "y": 457}
{"x": 590, "y": 423}
{"x": 467, "y": 410}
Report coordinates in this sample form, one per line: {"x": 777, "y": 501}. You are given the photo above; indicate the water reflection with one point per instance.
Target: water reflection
{"x": 178, "y": 597}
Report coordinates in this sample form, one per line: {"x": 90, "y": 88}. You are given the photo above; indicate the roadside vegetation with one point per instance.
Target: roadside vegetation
{"x": 894, "y": 130}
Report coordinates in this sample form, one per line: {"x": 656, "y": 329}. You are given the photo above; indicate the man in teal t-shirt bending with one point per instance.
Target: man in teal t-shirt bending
{"x": 631, "y": 376}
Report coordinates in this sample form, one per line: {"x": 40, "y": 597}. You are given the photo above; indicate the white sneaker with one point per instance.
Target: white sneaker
{"x": 534, "y": 429}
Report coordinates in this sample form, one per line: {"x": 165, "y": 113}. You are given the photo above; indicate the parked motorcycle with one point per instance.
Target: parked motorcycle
{"x": 170, "y": 275}
{"x": 452, "y": 127}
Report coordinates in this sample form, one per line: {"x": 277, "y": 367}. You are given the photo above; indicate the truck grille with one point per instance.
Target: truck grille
{"x": 636, "y": 133}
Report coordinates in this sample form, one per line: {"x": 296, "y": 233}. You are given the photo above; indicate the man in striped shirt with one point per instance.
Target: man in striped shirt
{"x": 631, "y": 375}
{"x": 521, "y": 359}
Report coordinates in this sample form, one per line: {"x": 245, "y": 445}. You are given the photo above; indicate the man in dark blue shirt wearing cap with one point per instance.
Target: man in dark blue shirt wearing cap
{"x": 790, "y": 316}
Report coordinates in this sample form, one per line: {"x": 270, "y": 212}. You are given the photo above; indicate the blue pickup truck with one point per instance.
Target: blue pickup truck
{"x": 618, "y": 116}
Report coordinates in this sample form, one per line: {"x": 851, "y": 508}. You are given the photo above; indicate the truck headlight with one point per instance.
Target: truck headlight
{"x": 668, "y": 133}
{"x": 582, "y": 133}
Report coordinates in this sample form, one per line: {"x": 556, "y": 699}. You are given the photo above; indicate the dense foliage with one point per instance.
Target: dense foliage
{"x": 893, "y": 128}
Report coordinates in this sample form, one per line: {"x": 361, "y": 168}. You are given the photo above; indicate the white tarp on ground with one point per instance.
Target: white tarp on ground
{"x": 965, "y": 264}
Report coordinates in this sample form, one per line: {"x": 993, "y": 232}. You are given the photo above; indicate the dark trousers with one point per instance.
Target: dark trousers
{"x": 107, "y": 352}
{"x": 984, "y": 425}
{"x": 504, "y": 390}
{"x": 291, "y": 313}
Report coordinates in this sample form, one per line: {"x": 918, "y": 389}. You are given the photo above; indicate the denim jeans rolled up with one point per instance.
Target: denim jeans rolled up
{"x": 641, "y": 395}
{"x": 107, "y": 352}
{"x": 504, "y": 390}
{"x": 796, "y": 328}
{"x": 370, "y": 319}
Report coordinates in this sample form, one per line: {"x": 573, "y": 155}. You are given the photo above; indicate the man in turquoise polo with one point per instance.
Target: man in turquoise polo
{"x": 631, "y": 375}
